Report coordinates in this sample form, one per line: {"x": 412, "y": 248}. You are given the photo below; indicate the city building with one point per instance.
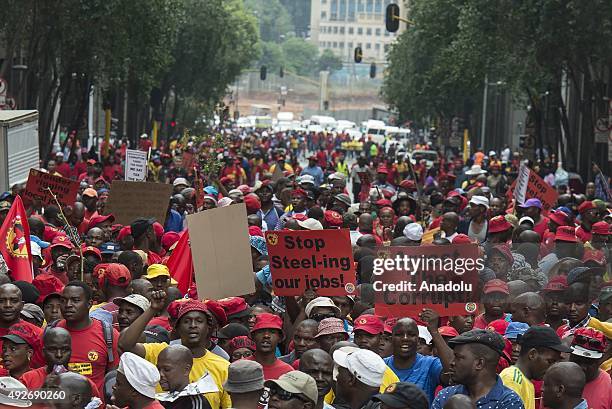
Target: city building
{"x": 342, "y": 25}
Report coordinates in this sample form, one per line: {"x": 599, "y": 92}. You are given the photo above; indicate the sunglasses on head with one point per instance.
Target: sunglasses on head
{"x": 588, "y": 343}
{"x": 284, "y": 395}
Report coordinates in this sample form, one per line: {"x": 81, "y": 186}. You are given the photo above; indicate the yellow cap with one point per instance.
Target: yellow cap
{"x": 157, "y": 270}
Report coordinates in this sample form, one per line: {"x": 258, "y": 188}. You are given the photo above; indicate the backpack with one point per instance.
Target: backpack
{"x": 107, "y": 329}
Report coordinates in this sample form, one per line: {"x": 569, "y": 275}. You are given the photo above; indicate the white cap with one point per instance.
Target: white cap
{"x": 480, "y": 201}
{"x": 492, "y": 153}
{"x": 526, "y": 219}
{"x": 306, "y": 179}
{"x": 475, "y": 170}
{"x": 320, "y": 302}
{"x": 413, "y": 231}
{"x": 424, "y": 333}
{"x": 337, "y": 176}
{"x": 59, "y": 154}
{"x": 587, "y": 353}
{"x": 35, "y": 249}
{"x": 225, "y": 201}
{"x": 310, "y": 224}
{"x": 367, "y": 366}
{"x": 10, "y": 383}
{"x": 134, "y": 299}
{"x": 144, "y": 136}
{"x": 180, "y": 181}
{"x": 140, "y": 373}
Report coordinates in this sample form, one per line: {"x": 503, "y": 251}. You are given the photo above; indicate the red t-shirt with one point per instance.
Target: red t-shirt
{"x": 64, "y": 170}
{"x": 583, "y": 235}
{"x": 154, "y": 405}
{"x": 35, "y": 379}
{"x": 275, "y": 370}
{"x": 541, "y": 227}
{"x": 598, "y": 392}
{"x": 153, "y": 258}
{"x": 89, "y": 352}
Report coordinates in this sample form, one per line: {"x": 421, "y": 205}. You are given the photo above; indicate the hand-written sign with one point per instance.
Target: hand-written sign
{"x": 129, "y": 201}
{"x": 135, "y": 165}
{"x": 39, "y": 183}
{"x": 539, "y": 189}
{"x": 317, "y": 259}
{"x": 443, "y": 278}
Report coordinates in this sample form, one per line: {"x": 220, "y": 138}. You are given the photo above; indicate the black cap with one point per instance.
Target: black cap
{"x": 542, "y": 337}
{"x": 156, "y": 333}
{"x": 480, "y": 336}
{"x": 29, "y": 293}
{"x": 402, "y": 395}
{"x": 233, "y": 330}
{"x": 140, "y": 226}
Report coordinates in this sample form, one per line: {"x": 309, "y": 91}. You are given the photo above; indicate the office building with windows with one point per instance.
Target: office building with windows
{"x": 342, "y": 25}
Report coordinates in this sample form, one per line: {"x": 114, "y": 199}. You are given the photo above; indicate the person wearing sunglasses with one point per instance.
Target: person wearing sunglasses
{"x": 321, "y": 308}
{"x": 588, "y": 348}
{"x": 293, "y": 390}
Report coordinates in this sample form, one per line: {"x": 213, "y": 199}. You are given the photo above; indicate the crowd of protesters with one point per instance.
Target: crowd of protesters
{"x": 112, "y": 328}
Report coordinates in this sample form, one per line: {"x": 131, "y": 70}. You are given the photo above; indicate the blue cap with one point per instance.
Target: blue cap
{"x": 211, "y": 190}
{"x": 532, "y": 203}
{"x": 43, "y": 244}
{"x": 103, "y": 190}
{"x": 515, "y": 329}
{"x": 5, "y": 195}
{"x": 109, "y": 248}
{"x": 565, "y": 210}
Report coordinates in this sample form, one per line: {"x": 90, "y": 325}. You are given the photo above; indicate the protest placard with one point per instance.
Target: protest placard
{"x": 37, "y": 188}
{"x": 135, "y": 165}
{"x": 443, "y": 278}
{"x": 129, "y": 201}
{"x": 221, "y": 252}
{"x": 536, "y": 188}
{"x": 520, "y": 189}
{"x": 318, "y": 259}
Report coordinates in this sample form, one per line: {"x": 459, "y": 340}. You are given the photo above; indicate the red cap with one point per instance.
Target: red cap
{"x": 447, "y": 331}
{"x": 588, "y": 205}
{"x": 47, "y": 284}
{"x": 300, "y": 217}
{"x": 24, "y": 332}
{"x": 174, "y": 307}
{"x": 255, "y": 231}
{"x": 560, "y": 217}
{"x": 566, "y": 233}
{"x": 333, "y": 218}
{"x": 252, "y": 202}
{"x": 234, "y": 305}
{"x": 556, "y": 284}
{"x": 245, "y": 189}
{"x": 62, "y": 241}
{"x": 225, "y": 180}
{"x": 192, "y": 305}
{"x": 462, "y": 239}
{"x": 217, "y": 310}
{"x": 498, "y": 224}
{"x": 384, "y": 203}
{"x": 602, "y": 228}
{"x": 94, "y": 221}
{"x": 169, "y": 238}
{"x": 496, "y": 286}
{"x": 382, "y": 169}
{"x": 369, "y": 323}
{"x": 591, "y": 333}
{"x": 452, "y": 193}
{"x": 241, "y": 341}
{"x": 299, "y": 192}
{"x": 596, "y": 256}
{"x": 114, "y": 274}
{"x": 92, "y": 250}
{"x": 125, "y": 231}
{"x": 266, "y": 320}
{"x": 498, "y": 326}
{"x": 408, "y": 184}
{"x": 159, "y": 230}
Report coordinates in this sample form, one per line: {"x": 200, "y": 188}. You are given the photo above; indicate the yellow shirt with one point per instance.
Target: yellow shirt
{"x": 514, "y": 379}
{"x": 211, "y": 363}
{"x": 389, "y": 378}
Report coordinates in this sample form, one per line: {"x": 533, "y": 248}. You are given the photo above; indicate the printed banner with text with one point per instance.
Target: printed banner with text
{"x": 443, "y": 278}
{"x": 318, "y": 259}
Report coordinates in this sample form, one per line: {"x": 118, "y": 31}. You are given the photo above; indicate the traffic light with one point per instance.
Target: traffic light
{"x": 358, "y": 55}
{"x": 281, "y": 72}
{"x": 392, "y": 18}
{"x": 373, "y": 70}
{"x": 263, "y": 73}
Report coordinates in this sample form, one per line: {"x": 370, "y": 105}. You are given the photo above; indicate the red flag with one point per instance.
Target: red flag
{"x": 180, "y": 263}
{"x": 15, "y": 242}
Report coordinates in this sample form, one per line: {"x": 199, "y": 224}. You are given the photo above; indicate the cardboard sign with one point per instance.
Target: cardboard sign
{"x": 37, "y": 188}
{"x": 221, "y": 252}
{"x": 321, "y": 259}
{"x": 537, "y": 188}
{"x": 443, "y": 278}
{"x": 520, "y": 189}
{"x": 135, "y": 165}
{"x": 129, "y": 201}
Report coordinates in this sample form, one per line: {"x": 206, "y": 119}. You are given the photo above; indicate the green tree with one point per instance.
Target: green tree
{"x": 273, "y": 18}
{"x": 329, "y": 61}
{"x": 300, "y": 56}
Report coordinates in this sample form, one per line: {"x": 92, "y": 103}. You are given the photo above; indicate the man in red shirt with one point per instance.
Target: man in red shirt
{"x": 533, "y": 209}
{"x": 62, "y": 167}
{"x": 267, "y": 333}
{"x": 588, "y": 216}
{"x": 90, "y": 347}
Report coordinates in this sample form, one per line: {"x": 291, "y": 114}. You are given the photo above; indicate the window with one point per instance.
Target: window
{"x": 378, "y": 31}
{"x": 351, "y": 10}
{"x": 359, "y": 31}
{"x": 349, "y": 45}
{"x": 386, "y": 33}
{"x": 369, "y": 32}
{"x": 350, "y": 30}
{"x": 360, "y": 6}
{"x": 341, "y": 30}
{"x": 377, "y": 47}
{"x": 369, "y": 6}
{"x": 323, "y": 15}
{"x": 378, "y": 7}
{"x": 341, "y": 44}
{"x": 342, "y": 11}
{"x": 335, "y": 44}
{"x": 368, "y": 46}
{"x": 335, "y": 30}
